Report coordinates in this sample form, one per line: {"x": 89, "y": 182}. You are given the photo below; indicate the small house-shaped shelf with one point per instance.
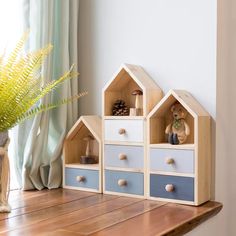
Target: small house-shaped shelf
{"x": 75, "y": 146}
{"x": 161, "y": 116}
{"x": 179, "y": 172}
{"x": 128, "y": 79}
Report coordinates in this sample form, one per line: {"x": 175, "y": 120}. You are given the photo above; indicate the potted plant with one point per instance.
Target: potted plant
{"x": 21, "y": 89}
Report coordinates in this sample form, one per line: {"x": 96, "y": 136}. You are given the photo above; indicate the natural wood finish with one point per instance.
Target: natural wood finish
{"x": 122, "y": 156}
{"x": 170, "y": 146}
{"x": 122, "y": 182}
{"x": 123, "y": 117}
{"x": 169, "y": 187}
{"x": 75, "y": 146}
{"x": 203, "y": 162}
{"x": 127, "y": 79}
{"x": 171, "y": 173}
{"x": 75, "y": 143}
{"x": 129, "y": 195}
{"x": 124, "y": 143}
{"x": 83, "y": 166}
{"x": 170, "y": 219}
{"x": 124, "y": 82}
{"x": 101, "y": 222}
{"x": 80, "y": 178}
{"x": 124, "y": 169}
{"x": 135, "y": 112}
{"x": 122, "y": 131}
{"x": 67, "y": 212}
{"x": 170, "y": 161}
{"x": 162, "y": 117}
{"x": 33, "y": 201}
{"x": 199, "y": 140}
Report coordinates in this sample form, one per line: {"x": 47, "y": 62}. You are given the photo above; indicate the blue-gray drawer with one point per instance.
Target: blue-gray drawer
{"x": 124, "y": 156}
{"x": 172, "y": 160}
{"x": 182, "y": 187}
{"x": 81, "y": 178}
{"x": 124, "y": 182}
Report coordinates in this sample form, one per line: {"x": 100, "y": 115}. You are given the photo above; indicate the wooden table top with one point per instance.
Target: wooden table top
{"x": 69, "y": 212}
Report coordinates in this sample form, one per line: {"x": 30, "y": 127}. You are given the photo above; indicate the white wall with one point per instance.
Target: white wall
{"x": 175, "y": 41}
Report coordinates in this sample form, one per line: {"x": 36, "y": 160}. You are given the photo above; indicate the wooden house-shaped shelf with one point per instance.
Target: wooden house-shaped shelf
{"x": 76, "y": 174}
{"x": 124, "y": 82}
{"x": 185, "y": 167}
{"x": 124, "y": 136}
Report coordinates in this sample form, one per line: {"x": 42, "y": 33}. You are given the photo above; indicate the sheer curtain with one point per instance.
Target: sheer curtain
{"x": 38, "y": 142}
{"x": 11, "y": 26}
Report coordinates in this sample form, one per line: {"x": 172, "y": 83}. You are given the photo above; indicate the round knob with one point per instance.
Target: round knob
{"x": 122, "y": 182}
{"x": 122, "y": 131}
{"x": 122, "y": 156}
{"x": 169, "y": 188}
{"x": 169, "y": 161}
{"x": 80, "y": 178}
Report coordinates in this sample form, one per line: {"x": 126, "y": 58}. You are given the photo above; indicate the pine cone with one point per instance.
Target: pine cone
{"x": 120, "y": 109}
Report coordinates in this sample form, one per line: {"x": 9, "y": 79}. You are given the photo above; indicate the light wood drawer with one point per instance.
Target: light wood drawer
{"x": 183, "y": 187}
{"x": 132, "y": 130}
{"x": 82, "y": 178}
{"x": 132, "y": 182}
{"x": 124, "y": 156}
{"x": 172, "y": 160}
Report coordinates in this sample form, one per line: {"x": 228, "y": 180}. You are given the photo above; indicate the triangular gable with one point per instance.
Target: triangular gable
{"x": 137, "y": 73}
{"x": 92, "y": 123}
{"x": 185, "y": 98}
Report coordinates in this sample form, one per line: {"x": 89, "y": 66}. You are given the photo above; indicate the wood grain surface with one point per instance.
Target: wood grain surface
{"x": 70, "y": 212}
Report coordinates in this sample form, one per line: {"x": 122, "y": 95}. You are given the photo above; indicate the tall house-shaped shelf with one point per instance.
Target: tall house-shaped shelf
{"x": 77, "y": 175}
{"x": 124, "y": 135}
{"x": 179, "y": 173}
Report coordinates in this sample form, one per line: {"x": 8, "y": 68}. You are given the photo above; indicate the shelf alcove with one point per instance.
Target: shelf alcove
{"x": 124, "y": 82}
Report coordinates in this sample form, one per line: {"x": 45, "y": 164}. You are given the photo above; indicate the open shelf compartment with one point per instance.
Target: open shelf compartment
{"x": 124, "y": 82}
{"x": 161, "y": 116}
{"x": 75, "y": 145}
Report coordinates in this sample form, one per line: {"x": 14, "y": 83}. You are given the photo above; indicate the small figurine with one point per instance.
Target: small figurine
{"x": 137, "y": 111}
{"x": 88, "y": 158}
{"x": 178, "y": 129}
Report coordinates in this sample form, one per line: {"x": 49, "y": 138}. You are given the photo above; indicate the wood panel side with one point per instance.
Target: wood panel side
{"x": 203, "y": 164}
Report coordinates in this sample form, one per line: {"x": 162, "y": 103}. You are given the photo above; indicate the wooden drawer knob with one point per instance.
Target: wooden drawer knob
{"x": 122, "y": 131}
{"x": 169, "y": 188}
{"x": 170, "y": 161}
{"x": 122, "y": 156}
{"x": 122, "y": 182}
{"x": 80, "y": 178}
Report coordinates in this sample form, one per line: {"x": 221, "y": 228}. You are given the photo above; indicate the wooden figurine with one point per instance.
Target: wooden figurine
{"x": 88, "y": 158}
{"x": 137, "y": 111}
{"x": 178, "y": 129}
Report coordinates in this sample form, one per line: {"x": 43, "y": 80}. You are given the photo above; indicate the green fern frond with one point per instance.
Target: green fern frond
{"x": 21, "y": 85}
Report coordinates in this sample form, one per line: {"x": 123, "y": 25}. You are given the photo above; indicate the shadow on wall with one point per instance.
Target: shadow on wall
{"x": 87, "y": 68}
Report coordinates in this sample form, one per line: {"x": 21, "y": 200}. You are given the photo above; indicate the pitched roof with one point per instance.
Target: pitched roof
{"x": 183, "y": 97}
{"x": 137, "y": 73}
{"x": 93, "y": 123}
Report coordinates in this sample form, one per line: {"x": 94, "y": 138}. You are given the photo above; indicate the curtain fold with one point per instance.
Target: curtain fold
{"x": 38, "y": 142}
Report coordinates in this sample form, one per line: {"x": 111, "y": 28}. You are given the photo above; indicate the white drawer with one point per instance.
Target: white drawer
{"x": 172, "y": 160}
{"x": 133, "y": 130}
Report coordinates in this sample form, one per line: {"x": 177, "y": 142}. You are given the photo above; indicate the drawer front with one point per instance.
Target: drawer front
{"x": 124, "y": 156}
{"x": 133, "y": 185}
{"x": 181, "y": 161}
{"x": 90, "y": 178}
{"x": 133, "y": 130}
{"x": 183, "y": 187}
